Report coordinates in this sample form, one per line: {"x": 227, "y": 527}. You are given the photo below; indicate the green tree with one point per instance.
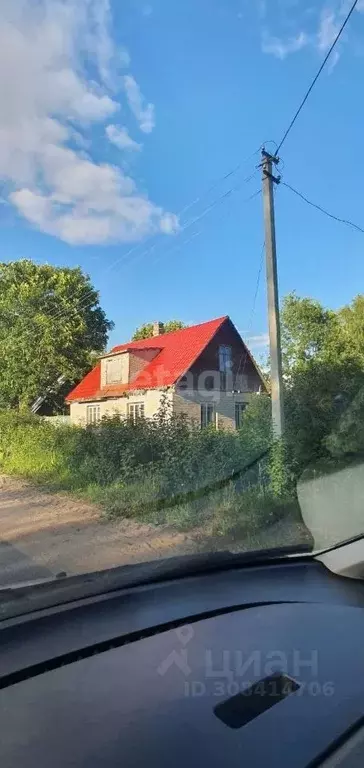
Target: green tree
{"x": 323, "y": 359}
{"x": 145, "y": 331}
{"x": 351, "y": 329}
{"x": 51, "y": 324}
{"x": 308, "y": 332}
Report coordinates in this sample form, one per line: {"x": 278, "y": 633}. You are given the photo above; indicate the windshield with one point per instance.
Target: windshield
{"x": 181, "y": 335}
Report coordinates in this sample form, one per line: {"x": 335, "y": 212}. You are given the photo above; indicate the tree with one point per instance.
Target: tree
{"x": 51, "y": 324}
{"x": 308, "y": 332}
{"x": 323, "y": 358}
{"x": 351, "y": 325}
{"x": 145, "y": 331}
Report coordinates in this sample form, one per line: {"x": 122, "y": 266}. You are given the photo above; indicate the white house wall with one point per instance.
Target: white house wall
{"x": 189, "y": 402}
{"x": 152, "y": 399}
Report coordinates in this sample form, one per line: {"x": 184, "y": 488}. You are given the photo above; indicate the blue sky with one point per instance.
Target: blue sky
{"x": 119, "y": 122}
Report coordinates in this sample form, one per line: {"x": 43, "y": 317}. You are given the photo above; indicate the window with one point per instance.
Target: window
{"x": 207, "y": 414}
{"x": 113, "y": 370}
{"x": 92, "y": 414}
{"x": 225, "y": 361}
{"x": 135, "y": 411}
{"x": 225, "y": 365}
{"x": 183, "y": 384}
{"x": 239, "y": 411}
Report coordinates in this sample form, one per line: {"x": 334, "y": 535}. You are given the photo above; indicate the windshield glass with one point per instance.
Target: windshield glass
{"x": 181, "y": 335}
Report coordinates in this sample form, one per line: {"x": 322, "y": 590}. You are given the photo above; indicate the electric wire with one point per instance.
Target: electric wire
{"x": 347, "y": 222}
{"x": 314, "y": 81}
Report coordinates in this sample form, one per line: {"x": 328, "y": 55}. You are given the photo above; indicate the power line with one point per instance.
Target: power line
{"x": 150, "y": 249}
{"x": 198, "y": 199}
{"x": 187, "y": 207}
{"x": 217, "y": 182}
{"x": 252, "y": 311}
{"x": 200, "y": 231}
{"x": 174, "y": 245}
{"x": 314, "y": 81}
{"x": 83, "y": 301}
{"x": 323, "y": 210}
{"x": 189, "y": 223}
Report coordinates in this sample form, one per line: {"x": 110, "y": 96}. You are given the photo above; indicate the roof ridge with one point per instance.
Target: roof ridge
{"x": 178, "y": 350}
{"x": 169, "y": 333}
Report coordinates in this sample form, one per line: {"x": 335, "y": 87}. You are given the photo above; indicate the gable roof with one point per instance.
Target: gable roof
{"x": 178, "y": 351}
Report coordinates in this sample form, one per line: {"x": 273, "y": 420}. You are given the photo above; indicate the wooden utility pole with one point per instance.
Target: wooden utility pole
{"x": 272, "y": 291}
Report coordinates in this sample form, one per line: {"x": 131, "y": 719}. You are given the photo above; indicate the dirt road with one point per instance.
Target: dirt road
{"x": 42, "y": 534}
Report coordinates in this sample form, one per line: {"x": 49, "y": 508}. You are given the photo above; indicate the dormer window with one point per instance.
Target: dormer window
{"x": 113, "y": 370}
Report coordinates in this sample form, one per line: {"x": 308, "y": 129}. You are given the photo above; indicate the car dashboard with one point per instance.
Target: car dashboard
{"x": 261, "y": 665}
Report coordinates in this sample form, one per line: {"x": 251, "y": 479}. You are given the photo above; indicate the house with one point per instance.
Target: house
{"x": 204, "y": 371}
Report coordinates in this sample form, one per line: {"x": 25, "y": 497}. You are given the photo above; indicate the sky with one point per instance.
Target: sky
{"x": 130, "y": 135}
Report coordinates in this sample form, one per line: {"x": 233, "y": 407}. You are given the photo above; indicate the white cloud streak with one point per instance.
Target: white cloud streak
{"x": 282, "y": 48}
{"x": 328, "y": 29}
{"x": 258, "y": 342}
{"x": 144, "y": 113}
{"x": 50, "y": 102}
{"x": 119, "y": 136}
{"x": 329, "y": 22}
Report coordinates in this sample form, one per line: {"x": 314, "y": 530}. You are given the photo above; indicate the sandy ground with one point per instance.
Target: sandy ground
{"x": 42, "y": 534}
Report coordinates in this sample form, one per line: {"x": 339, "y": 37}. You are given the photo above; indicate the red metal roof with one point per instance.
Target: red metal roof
{"x": 178, "y": 351}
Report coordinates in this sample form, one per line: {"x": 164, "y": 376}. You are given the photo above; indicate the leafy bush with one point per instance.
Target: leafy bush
{"x": 158, "y": 470}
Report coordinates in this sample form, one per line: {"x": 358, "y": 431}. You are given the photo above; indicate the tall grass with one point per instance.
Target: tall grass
{"x": 158, "y": 470}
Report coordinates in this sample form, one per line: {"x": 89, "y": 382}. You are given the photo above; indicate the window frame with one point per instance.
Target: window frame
{"x": 205, "y": 410}
{"x": 239, "y": 413}
{"x": 110, "y": 364}
{"x": 94, "y": 410}
{"x": 136, "y": 410}
{"x": 225, "y": 358}
{"x": 225, "y": 364}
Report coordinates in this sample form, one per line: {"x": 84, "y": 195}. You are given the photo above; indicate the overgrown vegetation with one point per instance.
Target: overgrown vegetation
{"x": 158, "y": 470}
{"x": 51, "y": 325}
{"x": 228, "y": 484}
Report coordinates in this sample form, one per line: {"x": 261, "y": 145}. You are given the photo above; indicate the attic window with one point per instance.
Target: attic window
{"x": 225, "y": 360}
{"x": 113, "y": 370}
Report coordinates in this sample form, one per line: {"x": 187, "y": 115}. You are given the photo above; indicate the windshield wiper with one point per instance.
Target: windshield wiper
{"x": 18, "y": 600}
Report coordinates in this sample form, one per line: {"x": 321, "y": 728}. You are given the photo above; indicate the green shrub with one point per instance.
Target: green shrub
{"x": 157, "y": 470}
{"x": 240, "y": 515}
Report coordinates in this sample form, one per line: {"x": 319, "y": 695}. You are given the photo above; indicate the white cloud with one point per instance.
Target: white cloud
{"x": 169, "y": 223}
{"x": 328, "y": 29}
{"x": 119, "y": 136}
{"x": 333, "y": 61}
{"x": 329, "y": 21}
{"x": 143, "y": 114}
{"x": 282, "y": 48}
{"x": 98, "y": 40}
{"x": 259, "y": 341}
{"x": 49, "y": 104}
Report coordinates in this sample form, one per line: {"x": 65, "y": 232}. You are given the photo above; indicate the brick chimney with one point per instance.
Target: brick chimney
{"x": 158, "y": 328}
